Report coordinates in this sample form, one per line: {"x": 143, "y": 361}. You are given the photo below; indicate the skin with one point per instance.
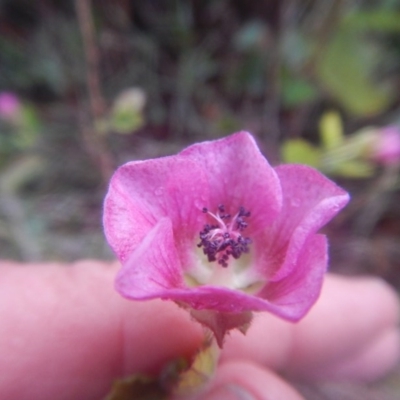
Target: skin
{"x": 66, "y": 334}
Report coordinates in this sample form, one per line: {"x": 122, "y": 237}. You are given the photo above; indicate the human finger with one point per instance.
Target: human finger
{"x": 66, "y": 334}
{"x": 350, "y": 317}
{"x": 248, "y": 381}
{"x": 355, "y": 324}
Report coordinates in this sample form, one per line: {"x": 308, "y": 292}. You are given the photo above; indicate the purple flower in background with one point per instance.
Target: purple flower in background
{"x": 9, "y": 105}
{"x": 386, "y": 147}
{"x": 221, "y": 232}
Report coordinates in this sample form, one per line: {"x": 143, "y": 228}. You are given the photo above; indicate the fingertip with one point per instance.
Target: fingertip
{"x": 154, "y": 333}
{"x": 245, "y": 380}
{"x": 350, "y": 314}
{"x": 267, "y": 342}
{"x": 371, "y": 291}
{"x": 67, "y": 325}
{"x": 371, "y": 363}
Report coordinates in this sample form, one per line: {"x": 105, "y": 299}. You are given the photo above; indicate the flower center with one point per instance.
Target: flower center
{"x": 224, "y": 239}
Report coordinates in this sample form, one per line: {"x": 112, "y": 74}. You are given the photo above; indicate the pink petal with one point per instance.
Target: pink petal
{"x": 387, "y": 145}
{"x": 153, "y": 267}
{"x": 9, "y": 104}
{"x": 239, "y": 175}
{"x": 310, "y": 200}
{"x": 294, "y": 295}
{"x": 154, "y": 271}
{"x": 142, "y": 192}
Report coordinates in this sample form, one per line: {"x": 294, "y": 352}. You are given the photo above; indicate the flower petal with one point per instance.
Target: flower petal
{"x": 239, "y": 175}
{"x": 294, "y": 295}
{"x": 310, "y": 200}
{"x": 154, "y": 271}
{"x": 142, "y": 192}
{"x": 153, "y": 267}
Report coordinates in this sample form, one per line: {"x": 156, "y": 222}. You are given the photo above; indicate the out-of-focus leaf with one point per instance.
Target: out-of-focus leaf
{"x": 351, "y": 149}
{"x": 21, "y": 171}
{"x": 297, "y": 91}
{"x": 355, "y": 169}
{"x": 295, "y": 48}
{"x": 345, "y": 69}
{"x": 126, "y": 121}
{"x": 380, "y": 20}
{"x": 331, "y": 130}
{"x": 248, "y": 76}
{"x": 27, "y": 128}
{"x": 251, "y": 36}
{"x": 228, "y": 123}
{"x": 127, "y": 112}
{"x": 299, "y": 151}
{"x": 29, "y": 118}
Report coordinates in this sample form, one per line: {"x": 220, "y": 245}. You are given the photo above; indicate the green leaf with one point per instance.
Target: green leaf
{"x": 355, "y": 169}
{"x": 299, "y": 151}
{"x": 251, "y": 36}
{"x": 20, "y": 172}
{"x": 127, "y": 112}
{"x": 379, "y": 20}
{"x": 331, "y": 130}
{"x": 296, "y": 91}
{"x": 126, "y": 121}
{"x": 29, "y": 118}
{"x": 345, "y": 69}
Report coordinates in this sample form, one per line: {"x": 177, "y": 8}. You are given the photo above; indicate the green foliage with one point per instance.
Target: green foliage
{"x": 354, "y": 169}
{"x": 126, "y": 114}
{"x": 378, "y": 20}
{"x": 19, "y": 134}
{"x": 331, "y": 130}
{"x": 297, "y": 91}
{"x": 126, "y": 121}
{"x": 350, "y": 156}
{"x": 251, "y": 36}
{"x": 299, "y": 151}
{"x": 346, "y": 70}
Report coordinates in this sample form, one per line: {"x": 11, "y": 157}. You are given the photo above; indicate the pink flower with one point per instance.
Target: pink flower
{"x": 9, "y": 105}
{"x": 386, "y": 146}
{"x": 218, "y": 230}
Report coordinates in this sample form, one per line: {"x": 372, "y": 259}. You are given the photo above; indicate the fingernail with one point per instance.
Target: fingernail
{"x": 230, "y": 392}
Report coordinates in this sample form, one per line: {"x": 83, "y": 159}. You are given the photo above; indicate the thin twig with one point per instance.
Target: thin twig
{"x": 95, "y": 144}
{"x": 272, "y": 101}
{"x": 325, "y": 31}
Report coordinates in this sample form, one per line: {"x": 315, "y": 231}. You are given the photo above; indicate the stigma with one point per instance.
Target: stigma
{"x": 223, "y": 239}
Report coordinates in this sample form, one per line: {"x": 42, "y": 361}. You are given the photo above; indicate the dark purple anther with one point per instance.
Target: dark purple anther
{"x": 224, "y": 239}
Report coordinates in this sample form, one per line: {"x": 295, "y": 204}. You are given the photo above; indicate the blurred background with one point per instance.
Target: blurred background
{"x": 88, "y": 85}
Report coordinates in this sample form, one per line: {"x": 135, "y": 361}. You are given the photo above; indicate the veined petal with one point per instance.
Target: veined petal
{"x": 154, "y": 267}
{"x": 294, "y": 295}
{"x": 142, "y": 192}
{"x": 310, "y": 200}
{"x": 154, "y": 271}
{"x": 239, "y": 175}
